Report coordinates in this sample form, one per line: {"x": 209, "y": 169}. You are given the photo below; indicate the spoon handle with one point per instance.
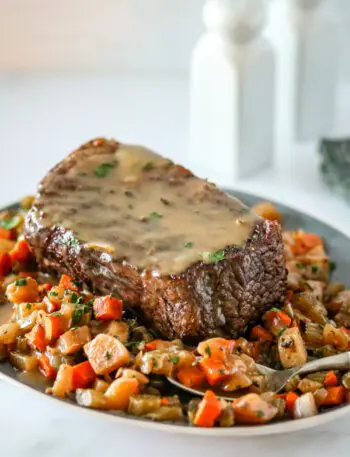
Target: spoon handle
{"x": 327, "y": 363}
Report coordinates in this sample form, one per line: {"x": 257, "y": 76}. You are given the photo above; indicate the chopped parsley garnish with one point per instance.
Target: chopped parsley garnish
{"x": 260, "y": 413}
{"x": 213, "y": 257}
{"x": 28, "y": 306}
{"x": 300, "y": 265}
{"x": 276, "y": 310}
{"x": 11, "y": 223}
{"x": 332, "y": 265}
{"x": 174, "y": 358}
{"x": 74, "y": 297}
{"x": 81, "y": 174}
{"x": 57, "y": 313}
{"x": 149, "y": 166}
{"x": 77, "y": 315}
{"x": 21, "y": 282}
{"x": 108, "y": 355}
{"x": 222, "y": 371}
{"x": 207, "y": 350}
{"x": 189, "y": 244}
{"x": 75, "y": 282}
{"x": 314, "y": 268}
{"x": 155, "y": 216}
{"x": 102, "y": 170}
{"x": 53, "y": 294}
{"x": 131, "y": 206}
{"x": 90, "y": 302}
{"x": 281, "y": 331}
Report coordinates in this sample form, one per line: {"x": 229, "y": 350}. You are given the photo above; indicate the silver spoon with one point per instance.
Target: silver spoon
{"x": 277, "y": 379}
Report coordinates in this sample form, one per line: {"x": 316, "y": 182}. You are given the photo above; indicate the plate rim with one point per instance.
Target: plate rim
{"x": 287, "y": 426}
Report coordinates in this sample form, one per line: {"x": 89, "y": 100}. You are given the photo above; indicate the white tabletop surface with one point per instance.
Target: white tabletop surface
{"x": 42, "y": 118}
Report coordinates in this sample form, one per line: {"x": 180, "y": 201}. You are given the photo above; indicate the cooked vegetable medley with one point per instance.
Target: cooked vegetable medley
{"x": 89, "y": 348}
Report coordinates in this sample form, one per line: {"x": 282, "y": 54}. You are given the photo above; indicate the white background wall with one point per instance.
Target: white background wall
{"x": 154, "y": 36}
{"x": 71, "y": 70}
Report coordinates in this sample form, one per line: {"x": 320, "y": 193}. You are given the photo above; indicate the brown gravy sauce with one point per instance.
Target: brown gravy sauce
{"x": 136, "y": 205}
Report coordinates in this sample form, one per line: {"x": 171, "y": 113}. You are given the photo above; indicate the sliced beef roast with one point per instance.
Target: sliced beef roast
{"x": 193, "y": 261}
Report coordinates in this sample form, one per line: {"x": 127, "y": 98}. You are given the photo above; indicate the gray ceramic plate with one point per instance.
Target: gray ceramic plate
{"x": 338, "y": 246}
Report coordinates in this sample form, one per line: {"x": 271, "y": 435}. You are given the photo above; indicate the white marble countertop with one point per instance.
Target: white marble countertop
{"x": 42, "y": 118}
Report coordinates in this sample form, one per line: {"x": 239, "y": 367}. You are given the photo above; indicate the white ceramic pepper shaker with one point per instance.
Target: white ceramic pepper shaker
{"x": 232, "y": 92}
{"x": 305, "y": 35}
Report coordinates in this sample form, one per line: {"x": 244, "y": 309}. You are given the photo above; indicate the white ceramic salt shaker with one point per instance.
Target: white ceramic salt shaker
{"x": 305, "y": 34}
{"x": 232, "y": 92}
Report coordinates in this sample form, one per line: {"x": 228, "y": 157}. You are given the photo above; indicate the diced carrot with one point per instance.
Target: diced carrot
{"x": 46, "y": 368}
{"x": 158, "y": 344}
{"x": 209, "y": 409}
{"x": 164, "y": 401}
{"x": 108, "y": 308}
{"x": 336, "y": 396}
{"x": 191, "y": 377}
{"x": 290, "y": 399}
{"x": 214, "y": 369}
{"x": 153, "y": 345}
{"x": 55, "y": 325}
{"x": 83, "y": 375}
{"x": 261, "y": 334}
{"x": 6, "y": 234}
{"x": 21, "y": 252}
{"x": 5, "y": 264}
{"x": 45, "y": 287}
{"x": 67, "y": 282}
{"x": 305, "y": 242}
{"x": 276, "y": 320}
{"x": 215, "y": 347}
{"x": 331, "y": 379}
{"x": 36, "y": 338}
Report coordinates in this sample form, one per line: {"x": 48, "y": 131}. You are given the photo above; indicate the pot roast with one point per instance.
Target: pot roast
{"x": 190, "y": 259}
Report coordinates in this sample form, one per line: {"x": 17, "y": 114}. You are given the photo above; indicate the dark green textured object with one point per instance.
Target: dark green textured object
{"x": 335, "y": 165}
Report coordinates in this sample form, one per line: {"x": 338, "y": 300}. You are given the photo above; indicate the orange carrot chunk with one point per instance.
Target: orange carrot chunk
{"x": 36, "y": 338}
{"x": 83, "y": 375}
{"x": 331, "y": 379}
{"x": 67, "y": 282}
{"x": 55, "y": 325}
{"x": 336, "y": 396}
{"x": 191, "y": 376}
{"x": 46, "y": 368}
{"x": 305, "y": 242}
{"x": 276, "y": 321}
{"x": 5, "y": 264}
{"x": 6, "y": 234}
{"x": 290, "y": 398}
{"x": 261, "y": 334}
{"x": 108, "y": 308}
{"x": 209, "y": 409}
{"x": 214, "y": 369}
{"x": 21, "y": 252}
